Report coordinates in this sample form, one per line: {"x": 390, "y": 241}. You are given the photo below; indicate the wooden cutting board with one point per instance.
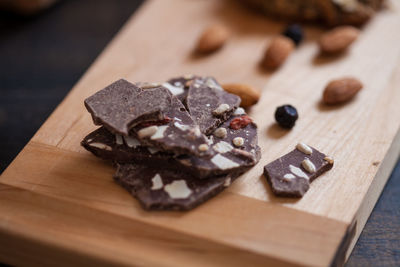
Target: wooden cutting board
{"x": 60, "y": 206}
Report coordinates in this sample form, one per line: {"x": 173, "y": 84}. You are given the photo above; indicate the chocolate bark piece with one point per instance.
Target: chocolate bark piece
{"x": 228, "y": 156}
{"x": 208, "y": 104}
{"x": 291, "y": 175}
{"x": 122, "y": 105}
{"x": 123, "y": 149}
{"x": 179, "y": 86}
{"x": 236, "y": 150}
{"x": 179, "y": 134}
{"x": 161, "y": 189}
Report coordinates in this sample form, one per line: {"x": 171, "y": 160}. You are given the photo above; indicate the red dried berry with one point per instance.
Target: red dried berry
{"x": 240, "y": 122}
{"x": 151, "y": 123}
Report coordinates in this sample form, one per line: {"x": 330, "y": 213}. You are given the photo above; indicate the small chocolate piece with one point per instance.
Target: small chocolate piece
{"x": 162, "y": 189}
{"x": 178, "y": 134}
{"x": 229, "y": 157}
{"x": 123, "y": 149}
{"x": 180, "y": 85}
{"x": 292, "y": 174}
{"x": 122, "y": 105}
{"x": 209, "y": 105}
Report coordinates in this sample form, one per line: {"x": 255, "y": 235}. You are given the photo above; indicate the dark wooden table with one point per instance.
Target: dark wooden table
{"x": 42, "y": 57}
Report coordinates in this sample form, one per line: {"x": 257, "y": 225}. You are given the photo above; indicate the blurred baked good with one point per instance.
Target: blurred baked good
{"x": 25, "y": 7}
{"x": 330, "y": 12}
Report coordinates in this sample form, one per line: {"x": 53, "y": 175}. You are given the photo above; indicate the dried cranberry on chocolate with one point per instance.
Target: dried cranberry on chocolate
{"x": 240, "y": 122}
{"x": 286, "y": 116}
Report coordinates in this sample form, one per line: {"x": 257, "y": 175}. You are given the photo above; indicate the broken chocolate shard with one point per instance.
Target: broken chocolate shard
{"x": 162, "y": 189}
{"x": 122, "y": 105}
{"x": 228, "y": 157}
{"x": 180, "y": 85}
{"x": 127, "y": 109}
{"x": 124, "y": 149}
{"x": 163, "y": 142}
{"x": 179, "y": 135}
{"x": 209, "y": 104}
{"x": 166, "y": 190}
{"x": 292, "y": 174}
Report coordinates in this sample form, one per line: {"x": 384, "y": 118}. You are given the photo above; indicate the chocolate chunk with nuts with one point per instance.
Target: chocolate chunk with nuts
{"x": 179, "y": 134}
{"x": 209, "y": 105}
{"x": 122, "y": 105}
{"x": 292, "y": 174}
{"x": 161, "y": 189}
{"x": 154, "y": 115}
{"x": 236, "y": 151}
{"x": 167, "y": 152}
{"x": 123, "y": 149}
{"x": 179, "y": 86}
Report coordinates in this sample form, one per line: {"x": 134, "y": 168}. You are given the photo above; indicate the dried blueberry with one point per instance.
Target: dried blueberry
{"x": 286, "y": 116}
{"x": 294, "y": 32}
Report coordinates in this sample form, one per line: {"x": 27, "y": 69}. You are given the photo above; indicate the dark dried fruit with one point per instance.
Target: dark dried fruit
{"x": 286, "y": 116}
{"x": 240, "y": 122}
{"x": 294, "y": 32}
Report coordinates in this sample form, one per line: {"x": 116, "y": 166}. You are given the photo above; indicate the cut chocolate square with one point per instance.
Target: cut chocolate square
{"x": 291, "y": 175}
{"x": 162, "y": 189}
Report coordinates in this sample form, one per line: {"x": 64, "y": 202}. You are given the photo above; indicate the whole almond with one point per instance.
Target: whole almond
{"x": 212, "y": 38}
{"x": 248, "y": 94}
{"x": 341, "y": 90}
{"x": 277, "y": 52}
{"x": 338, "y": 39}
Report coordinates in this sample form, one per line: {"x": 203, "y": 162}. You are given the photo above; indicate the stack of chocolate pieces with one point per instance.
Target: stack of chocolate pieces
{"x": 175, "y": 144}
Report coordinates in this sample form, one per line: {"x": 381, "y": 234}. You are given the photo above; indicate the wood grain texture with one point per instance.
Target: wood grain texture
{"x": 353, "y": 130}
{"x": 57, "y": 182}
{"x": 53, "y": 167}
